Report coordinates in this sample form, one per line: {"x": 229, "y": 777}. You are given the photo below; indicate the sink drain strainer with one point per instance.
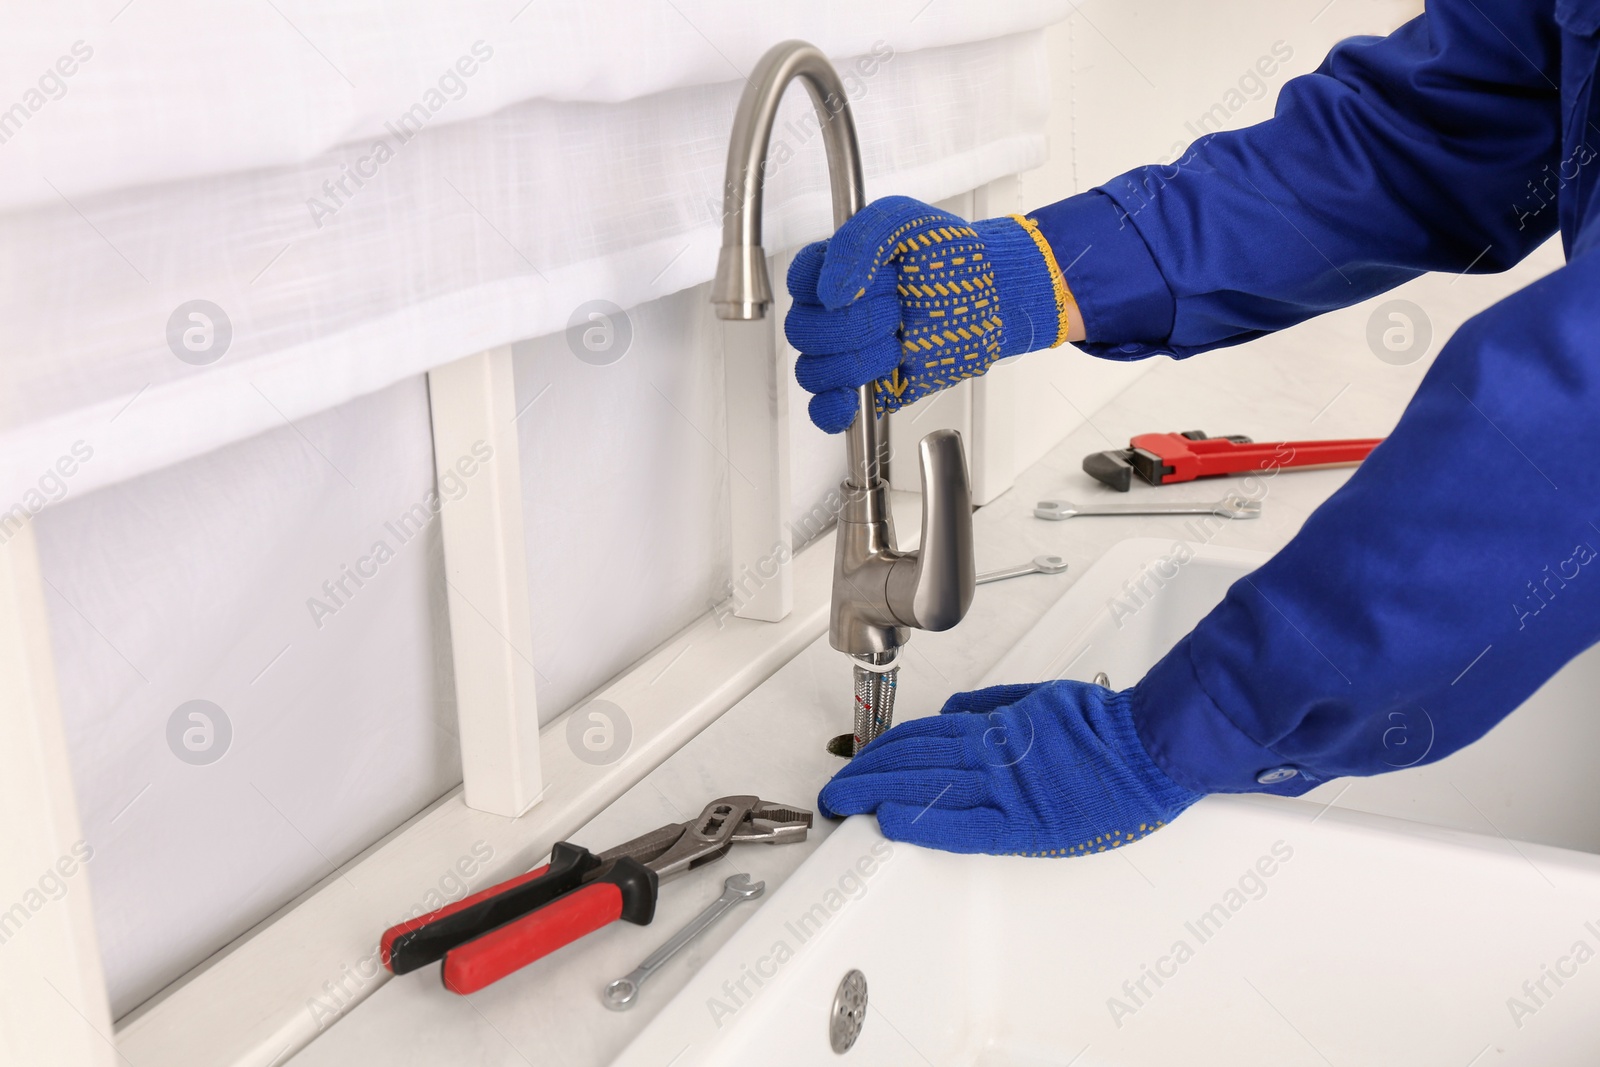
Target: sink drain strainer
{"x": 849, "y": 1011}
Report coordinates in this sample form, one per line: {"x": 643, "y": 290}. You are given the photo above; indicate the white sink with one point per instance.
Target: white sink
{"x": 1251, "y": 931}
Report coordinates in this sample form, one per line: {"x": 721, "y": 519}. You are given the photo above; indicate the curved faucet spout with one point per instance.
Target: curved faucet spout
{"x": 742, "y": 290}
{"x": 745, "y": 293}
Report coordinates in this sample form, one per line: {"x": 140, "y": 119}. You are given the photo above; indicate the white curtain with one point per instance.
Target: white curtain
{"x": 328, "y": 273}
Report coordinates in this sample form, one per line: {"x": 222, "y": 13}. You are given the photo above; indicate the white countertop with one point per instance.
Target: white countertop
{"x": 1316, "y": 381}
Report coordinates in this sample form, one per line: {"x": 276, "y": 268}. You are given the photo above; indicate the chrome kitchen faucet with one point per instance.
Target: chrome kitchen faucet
{"x": 879, "y": 593}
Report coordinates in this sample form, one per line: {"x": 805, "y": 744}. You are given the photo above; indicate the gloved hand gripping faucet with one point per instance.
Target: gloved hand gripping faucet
{"x": 913, "y": 300}
{"x": 1399, "y": 155}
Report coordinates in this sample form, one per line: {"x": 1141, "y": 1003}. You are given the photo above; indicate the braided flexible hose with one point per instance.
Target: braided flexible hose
{"x": 874, "y": 703}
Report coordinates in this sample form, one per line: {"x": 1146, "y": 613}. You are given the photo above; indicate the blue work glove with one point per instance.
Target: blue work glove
{"x": 914, "y": 299}
{"x": 1050, "y": 769}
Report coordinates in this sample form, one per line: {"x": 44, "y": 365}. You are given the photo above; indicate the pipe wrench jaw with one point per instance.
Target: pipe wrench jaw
{"x": 1117, "y": 467}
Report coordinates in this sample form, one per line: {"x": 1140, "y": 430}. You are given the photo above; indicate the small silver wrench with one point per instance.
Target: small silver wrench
{"x": 1232, "y": 506}
{"x": 620, "y": 994}
{"x": 1037, "y": 565}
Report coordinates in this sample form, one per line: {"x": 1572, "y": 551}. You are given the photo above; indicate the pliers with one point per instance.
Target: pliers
{"x": 484, "y": 937}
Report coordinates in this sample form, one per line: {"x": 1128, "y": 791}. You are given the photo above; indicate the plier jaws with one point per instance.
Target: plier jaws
{"x": 720, "y": 824}
{"x": 773, "y": 824}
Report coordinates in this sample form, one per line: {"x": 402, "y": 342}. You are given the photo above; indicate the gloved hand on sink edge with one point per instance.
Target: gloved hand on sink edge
{"x": 912, "y": 299}
{"x": 1046, "y": 769}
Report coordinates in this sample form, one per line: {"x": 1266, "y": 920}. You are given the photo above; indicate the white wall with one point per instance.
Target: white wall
{"x": 193, "y": 583}
{"x": 624, "y": 468}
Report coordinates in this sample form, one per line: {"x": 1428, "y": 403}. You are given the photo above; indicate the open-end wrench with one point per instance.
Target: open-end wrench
{"x": 1232, "y": 506}
{"x": 620, "y": 994}
{"x": 1037, "y": 565}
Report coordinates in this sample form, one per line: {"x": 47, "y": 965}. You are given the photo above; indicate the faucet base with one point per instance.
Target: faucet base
{"x": 861, "y": 621}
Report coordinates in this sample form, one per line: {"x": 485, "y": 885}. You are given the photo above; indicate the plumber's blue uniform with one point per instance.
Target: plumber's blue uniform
{"x": 1460, "y": 566}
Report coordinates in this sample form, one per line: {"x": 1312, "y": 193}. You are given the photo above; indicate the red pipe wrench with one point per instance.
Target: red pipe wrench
{"x": 1163, "y": 458}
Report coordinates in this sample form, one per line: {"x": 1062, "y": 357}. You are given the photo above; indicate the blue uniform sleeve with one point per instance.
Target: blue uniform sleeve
{"x": 1456, "y": 570}
{"x": 1403, "y": 154}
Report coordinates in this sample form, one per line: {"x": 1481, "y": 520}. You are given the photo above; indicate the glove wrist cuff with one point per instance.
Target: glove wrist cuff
{"x": 1169, "y": 793}
{"x": 1036, "y": 306}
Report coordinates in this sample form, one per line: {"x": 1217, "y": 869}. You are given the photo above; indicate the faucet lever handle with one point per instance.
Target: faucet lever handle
{"x": 932, "y": 588}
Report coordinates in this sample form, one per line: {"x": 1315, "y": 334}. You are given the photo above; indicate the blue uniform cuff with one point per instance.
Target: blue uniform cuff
{"x": 1127, "y": 308}
{"x": 1196, "y": 744}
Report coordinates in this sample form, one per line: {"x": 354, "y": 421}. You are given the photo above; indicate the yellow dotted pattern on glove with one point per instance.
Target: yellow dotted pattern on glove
{"x": 1101, "y": 843}
{"x": 950, "y": 316}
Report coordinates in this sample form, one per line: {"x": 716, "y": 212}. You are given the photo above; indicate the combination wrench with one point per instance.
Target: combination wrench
{"x": 620, "y": 994}
{"x": 1232, "y": 506}
{"x": 1037, "y": 565}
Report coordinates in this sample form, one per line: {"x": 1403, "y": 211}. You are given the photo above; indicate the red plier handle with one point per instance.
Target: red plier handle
{"x": 486, "y": 936}
{"x": 627, "y": 891}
